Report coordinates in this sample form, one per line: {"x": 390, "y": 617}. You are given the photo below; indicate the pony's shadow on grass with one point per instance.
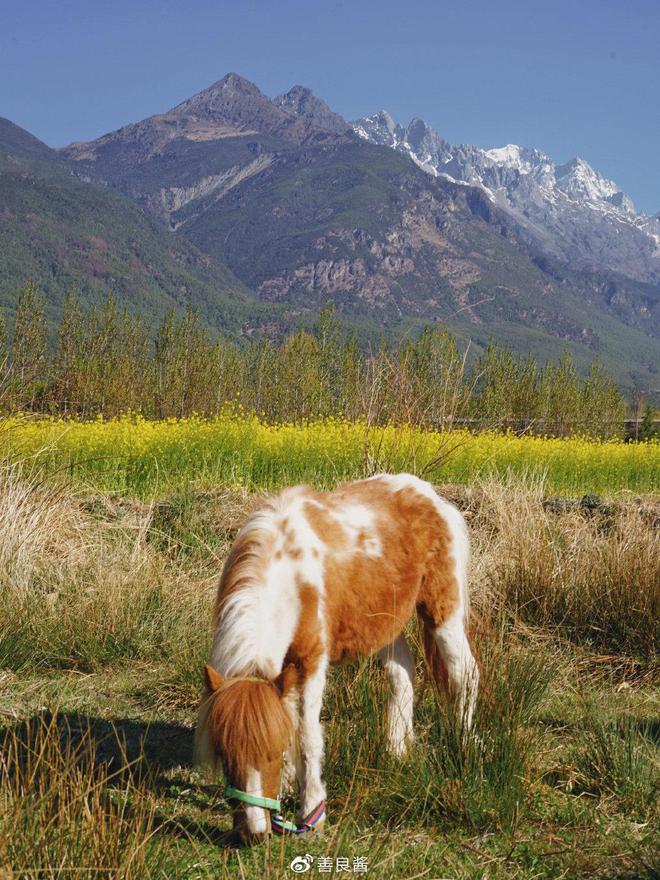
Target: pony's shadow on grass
{"x": 133, "y": 751}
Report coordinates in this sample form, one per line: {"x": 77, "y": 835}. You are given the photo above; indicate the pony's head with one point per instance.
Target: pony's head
{"x": 244, "y": 725}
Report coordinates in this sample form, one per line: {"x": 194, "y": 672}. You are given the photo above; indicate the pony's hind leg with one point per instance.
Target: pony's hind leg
{"x": 454, "y": 665}
{"x": 443, "y": 607}
{"x": 400, "y": 667}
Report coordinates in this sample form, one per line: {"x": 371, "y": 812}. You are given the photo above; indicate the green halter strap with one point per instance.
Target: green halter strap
{"x": 253, "y": 800}
{"x": 278, "y": 822}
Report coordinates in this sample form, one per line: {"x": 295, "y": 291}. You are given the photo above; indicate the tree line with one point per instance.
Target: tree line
{"x": 106, "y": 362}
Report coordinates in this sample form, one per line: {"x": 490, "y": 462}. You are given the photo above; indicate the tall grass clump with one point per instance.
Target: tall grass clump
{"x": 589, "y": 572}
{"x": 483, "y": 779}
{"x": 42, "y": 531}
{"x": 81, "y": 590}
{"x": 618, "y": 758}
{"x": 450, "y": 778}
{"x": 64, "y": 814}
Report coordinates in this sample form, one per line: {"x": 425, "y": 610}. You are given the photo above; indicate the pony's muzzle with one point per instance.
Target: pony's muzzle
{"x": 252, "y": 825}
{"x": 250, "y": 838}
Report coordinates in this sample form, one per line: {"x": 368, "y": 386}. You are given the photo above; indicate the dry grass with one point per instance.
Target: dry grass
{"x": 61, "y": 811}
{"x": 43, "y": 535}
{"x": 119, "y": 587}
{"x": 589, "y": 572}
{"x": 84, "y": 583}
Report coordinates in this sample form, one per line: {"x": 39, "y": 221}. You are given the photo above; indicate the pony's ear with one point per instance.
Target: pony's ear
{"x": 212, "y": 679}
{"x": 287, "y": 679}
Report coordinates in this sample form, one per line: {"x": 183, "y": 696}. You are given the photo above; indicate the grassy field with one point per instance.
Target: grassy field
{"x": 136, "y": 456}
{"x": 109, "y": 556}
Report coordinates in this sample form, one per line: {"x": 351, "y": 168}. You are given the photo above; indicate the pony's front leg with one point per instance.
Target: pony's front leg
{"x": 311, "y": 740}
{"x": 292, "y": 769}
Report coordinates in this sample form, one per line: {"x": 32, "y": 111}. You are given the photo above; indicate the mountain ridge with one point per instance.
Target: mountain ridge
{"x": 64, "y": 233}
{"x": 300, "y": 210}
{"x": 568, "y": 208}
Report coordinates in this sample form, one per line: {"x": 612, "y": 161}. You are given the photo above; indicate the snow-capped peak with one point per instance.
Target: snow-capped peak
{"x": 379, "y": 129}
{"x": 522, "y": 159}
{"x": 559, "y": 203}
{"x": 509, "y": 155}
{"x": 579, "y": 180}
{"x": 418, "y": 140}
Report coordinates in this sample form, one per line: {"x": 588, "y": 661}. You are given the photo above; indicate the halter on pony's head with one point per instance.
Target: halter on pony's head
{"x": 246, "y": 725}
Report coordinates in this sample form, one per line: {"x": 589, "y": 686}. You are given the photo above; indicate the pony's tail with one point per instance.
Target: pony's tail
{"x": 436, "y": 666}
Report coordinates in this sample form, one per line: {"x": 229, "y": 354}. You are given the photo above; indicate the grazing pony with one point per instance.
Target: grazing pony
{"x": 316, "y": 578}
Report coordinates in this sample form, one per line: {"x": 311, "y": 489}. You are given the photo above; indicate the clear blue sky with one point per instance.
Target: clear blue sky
{"x": 573, "y": 77}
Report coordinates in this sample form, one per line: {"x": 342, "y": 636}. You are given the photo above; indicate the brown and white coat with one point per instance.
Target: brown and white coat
{"x": 317, "y": 578}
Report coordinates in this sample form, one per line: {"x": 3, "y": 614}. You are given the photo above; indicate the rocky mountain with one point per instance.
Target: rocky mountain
{"x": 291, "y": 205}
{"x": 569, "y": 209}
{"x": 304, "y": 105}
{"x": 63, "y": 233}
{"x": 206, "y": 145}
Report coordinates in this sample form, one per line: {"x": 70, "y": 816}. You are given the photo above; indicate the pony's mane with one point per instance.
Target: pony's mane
{"x": 246, "y": 558}
{"x": 247, "y": 723}
{"x": 236, "y": 609}
{"x": 238, "y": 617}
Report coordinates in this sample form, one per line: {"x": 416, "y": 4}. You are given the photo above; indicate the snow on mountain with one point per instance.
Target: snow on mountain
{"x": 511, "y": 156}
{"x": 579, "y": 181}
{"x": 569, "y": 208}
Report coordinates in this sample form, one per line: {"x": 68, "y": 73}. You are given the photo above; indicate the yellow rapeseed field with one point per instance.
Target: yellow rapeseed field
{"x": 132, "y": 454}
